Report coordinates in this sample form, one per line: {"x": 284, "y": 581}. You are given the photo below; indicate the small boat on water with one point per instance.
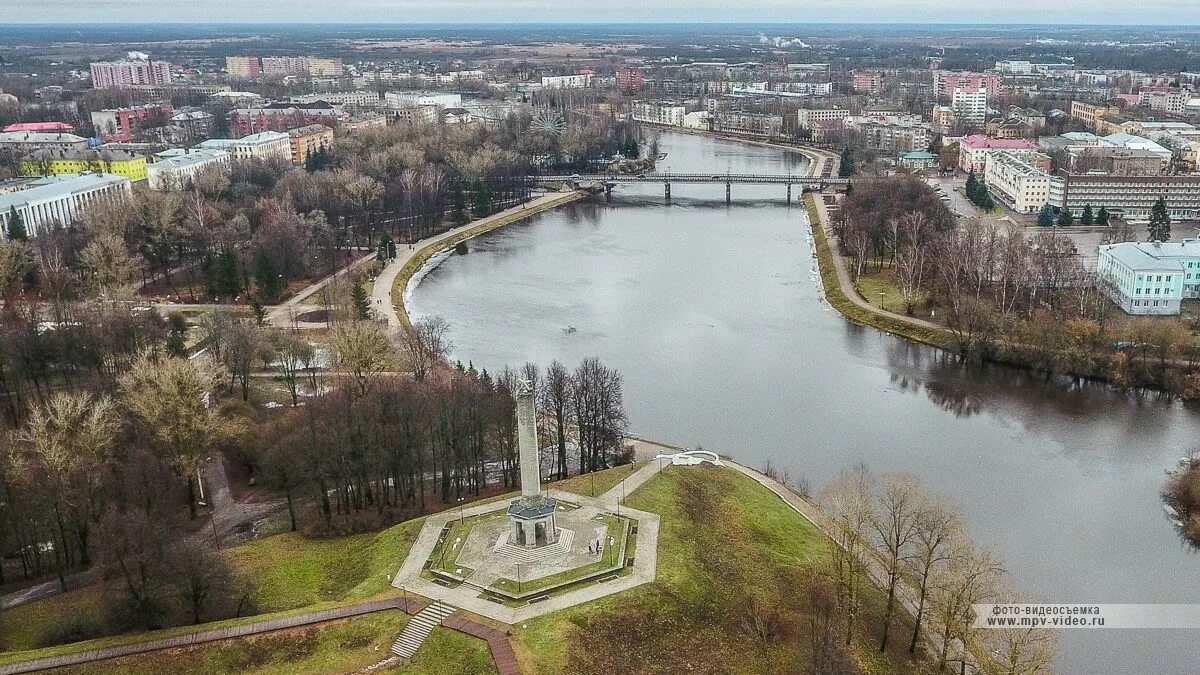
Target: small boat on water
{"x": 661, "y": 156}
{"x": 569, "y": 329}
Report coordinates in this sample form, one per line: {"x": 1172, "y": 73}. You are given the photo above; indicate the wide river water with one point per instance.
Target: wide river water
{"x": 714, "y": 316}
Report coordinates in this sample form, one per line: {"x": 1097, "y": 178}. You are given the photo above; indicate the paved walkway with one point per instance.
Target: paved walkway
{"x": 381, "y": 295}
{"x": 502, "y": 651}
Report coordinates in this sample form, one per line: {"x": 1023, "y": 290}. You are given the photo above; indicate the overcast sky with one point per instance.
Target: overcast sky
{"x": 1163, "y": 12}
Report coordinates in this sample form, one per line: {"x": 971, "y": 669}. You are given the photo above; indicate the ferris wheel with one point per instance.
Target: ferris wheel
{"x": 547, "y": 121}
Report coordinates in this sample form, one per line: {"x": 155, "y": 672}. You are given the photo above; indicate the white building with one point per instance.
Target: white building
{"x": 568, "y": 81}
{"x": 176, "y": 168}
{"x": 265, "y": 145}
{"x": 63, "y": 199}
{"x": 701, "y": 119}
{"x": 27, "y": 141}
{"x": 970, "y": 105}
{"x": 417, "y": 99}
{"x": 808, "y": 119}
{"x": 659, "y": 113}
{"x": 361, "y": 98}
{"x": 1151, "y": 278}
{"x": 1022, "y": 186}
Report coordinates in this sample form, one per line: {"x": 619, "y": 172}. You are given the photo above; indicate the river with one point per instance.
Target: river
{"x": 715, "y": 318}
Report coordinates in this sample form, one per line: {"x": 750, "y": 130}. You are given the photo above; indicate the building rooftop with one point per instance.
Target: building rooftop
{"x": 39, "y": 137}
{"x": 309, "y": 130}
{"x": 1139, "y": 255}
{"x": 91, "y": 154}
{"x": 178, "y": 157}
{"x": 56, "y": 187}
{"x": 40, "y": 126}
{"x": 981, "y": 142}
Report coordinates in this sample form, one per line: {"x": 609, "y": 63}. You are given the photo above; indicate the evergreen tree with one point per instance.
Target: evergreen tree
{"x": 387, "y": 248}
{"x": 1065, "y": 218}
{"x": 360, "y": 301}
{"x": 1086, "y": 218}
{"x": 1160, "y": 221}
{"x": 260, "y": 311}
{"x": 1102, "y": 217}
{"x": 458, "y": 204}
{"x": 228, "y": 281}
{"x": 972, "y": 188}
{"x": 846, "y": 167}
{"x": 483, "y": 199}
{"x": 1046, "y": 216}
{"x": 16, "y": 226}
{"x": 268, "y": 281}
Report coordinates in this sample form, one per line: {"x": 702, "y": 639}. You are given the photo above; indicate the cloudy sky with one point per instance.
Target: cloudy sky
{"x": 1170, "y": 12}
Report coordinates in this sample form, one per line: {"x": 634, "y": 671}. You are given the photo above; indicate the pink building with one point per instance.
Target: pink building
{"x": 120, "y": 124}
{"x": 973, "y": 151}
{"x": 48, "y": 127}
{"x": 946, "y": 81}
{"x": 107, "y": 74}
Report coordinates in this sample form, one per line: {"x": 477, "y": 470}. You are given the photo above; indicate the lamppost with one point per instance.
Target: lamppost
{"x": 593, "y": 483}
{"x": 404, "y": 591}
{"x": 518, "y": 578}
{"x": 881, "y": 294}
{"x": 460, "y": 510}
{"x": 610, "y": 546}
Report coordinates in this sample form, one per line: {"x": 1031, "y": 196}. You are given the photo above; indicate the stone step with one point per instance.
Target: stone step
{"x": 419, "y": 627}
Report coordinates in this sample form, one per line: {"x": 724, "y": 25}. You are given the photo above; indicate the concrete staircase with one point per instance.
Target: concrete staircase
{"x": 419, "y": 627}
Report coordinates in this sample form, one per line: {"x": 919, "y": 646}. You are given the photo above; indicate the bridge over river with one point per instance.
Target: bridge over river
{"x": 609, "y": 181}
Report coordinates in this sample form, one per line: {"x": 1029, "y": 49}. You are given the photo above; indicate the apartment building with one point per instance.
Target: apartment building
{"x": 282, "y": 66}
{"x": 309, "y": 140}
{"x": 750, "y": 124}
{"x": 119, "y": 74}
{"x": 23, "y": 142}
{"x": 974, "y": 150}
{"x": 1150, "y": 278}
{"x": 1089, "y": 114}
{"x": 61, "y": 199}
{"x": 49, "y": 162}
{"x": 655, "y": 112}
{"x": 580, "y": 81}
{"x": 970, "y": 105}
{"x": 323, "y": 67}
{"x": 413, "y": 99}
{"x": 1022, "y": 186}
{"x": 121, "y": 124}
{"x": 243, "y": 67}
{"x": 283, "y": 116}
{"x": 1171, "y": 102}
{"x": 266, "y": 145}
{"x": 1133, "y": 196}
{"x": 630, "y": 80}
{"x": 360, "y": 98}
{"x": 946, "y": 81}
{"x": 807, "y": 118}
{"x": 867, "y": 81}
{"x": 175, "y": 169}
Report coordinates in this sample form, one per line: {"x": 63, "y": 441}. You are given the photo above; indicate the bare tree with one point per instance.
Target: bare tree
{"x": 363, "y": 350}
{"x": 1019, "y": 650}
{"x": 293, "y": 354}
{"x": 970, "y": 577}
{"x": 895, "y": 525}
{"x": 847, "y": 500}
{"x": 556, "y": 397}
{"x": 426, "y": 344}
{"x": 937, "y": 524}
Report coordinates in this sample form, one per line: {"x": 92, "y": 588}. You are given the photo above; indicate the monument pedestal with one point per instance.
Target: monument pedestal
{"x": 531, "y": 515}
{"x": 533, "y": 521}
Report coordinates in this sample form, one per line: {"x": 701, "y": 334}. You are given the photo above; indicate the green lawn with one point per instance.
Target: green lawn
{"x": 728, "y": 548}
{"x": 290, "y": 570}
{"x": 603, "y": 480}
{"x": 337, "y": 647}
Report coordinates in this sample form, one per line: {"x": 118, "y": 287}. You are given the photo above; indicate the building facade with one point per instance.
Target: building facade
{"x": 117, "y": 74}
{"x": 1023, "y": 187}
{"x": 807, "y": 118}
{"x": 581, "y": 81}
{"x": 124, "y": 163}
{"x": 23, "y": 142}
{"x": 61, "y": 199}
{"x": 655, "y": 112}
{"x": 121, "y": 124}
{"x": 309, "y": 140}
{"x": 266, "y": 145}
{"x": 973, "y": 151}
{"x": 630, "y": 80}
{"x": 946, "y": 81}
{"x": 1150, "y": 278}
{"x": 175, "y": 169}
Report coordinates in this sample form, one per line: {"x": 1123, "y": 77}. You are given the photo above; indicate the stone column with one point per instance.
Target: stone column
{"x": 527, "y": 443}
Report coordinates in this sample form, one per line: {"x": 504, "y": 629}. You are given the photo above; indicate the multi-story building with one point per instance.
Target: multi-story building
{"x": 890, "y": 132}
{"x": 175, "y": 169}
{"x": 1133, "y": 197}
{"x": 946, "y": 81}
{"x": 701, "y": 120}
{"x": 266, "y": 145}
{"x": 414, "y": 99}
{"x": 243, "y": 67}
{"x": 359, "y": 98}
{"x": 630, "y": 80}
{"x": 1024, "y": 187}
{"x": 867, "y": 81}
{"x": 751, "y": 124}
{"x": 283, "y": 116}
{"x": 579, "y": 81}
{"x": 24, "y": 142}
{"x": 1015, "y": 67}
{"x": 61, "y": 199}
{"x": 109, "y": 74}
{"x": 807, "y": 118}
{"x": 309, "y": 140}
{"x": 659, "y": 112}
{"x": 363, "y": 122}
{"x": 970, "y": 105}
{"x": 1150, "y": 278}
{"x": 1166, "y": 101}
{"x": 324, "y": 67}
{"x": 158, "y": 92}
{"x": 974, "y": 150}
{"x": 942, "y": 119}
{"x": 282, "y": 66}
{"x": 121, "y": 124}
{"x": 47, "y": 162}
{"x": 1089, "y": 114}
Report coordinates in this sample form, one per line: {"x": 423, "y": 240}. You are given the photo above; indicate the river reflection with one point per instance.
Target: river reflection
{"x": 714, "y": 315}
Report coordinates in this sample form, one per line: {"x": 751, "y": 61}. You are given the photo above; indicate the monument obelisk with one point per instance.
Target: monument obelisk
{"x": 532, "y": 514}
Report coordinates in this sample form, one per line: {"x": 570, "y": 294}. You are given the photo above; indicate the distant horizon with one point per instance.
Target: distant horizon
{"x": 650, "y": 22}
